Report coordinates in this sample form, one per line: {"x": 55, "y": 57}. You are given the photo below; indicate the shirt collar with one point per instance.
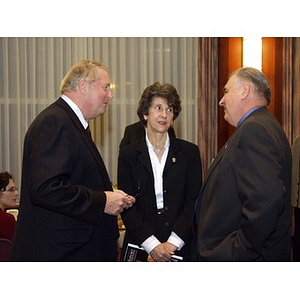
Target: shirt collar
{"x": 247, "y": 114}
{"x": 76, "y": 110}
{"x": 150, "y": 146}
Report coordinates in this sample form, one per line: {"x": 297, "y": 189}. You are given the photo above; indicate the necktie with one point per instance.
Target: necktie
{"x": 89, "y": 132}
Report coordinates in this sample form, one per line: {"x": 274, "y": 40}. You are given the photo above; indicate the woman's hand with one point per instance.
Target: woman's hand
{"x": 163, "y": 252}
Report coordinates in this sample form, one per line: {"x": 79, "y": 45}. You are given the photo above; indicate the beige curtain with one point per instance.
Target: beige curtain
{"x": 31, "y": 70}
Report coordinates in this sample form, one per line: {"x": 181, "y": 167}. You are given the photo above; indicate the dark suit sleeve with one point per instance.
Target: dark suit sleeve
{"x": 61, "y": 171}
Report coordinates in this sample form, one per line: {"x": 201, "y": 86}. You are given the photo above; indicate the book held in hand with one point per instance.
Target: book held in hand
{"x": 134, "y": 253}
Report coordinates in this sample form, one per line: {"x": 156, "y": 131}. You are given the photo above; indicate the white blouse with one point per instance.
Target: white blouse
{"x": 158, "y": 168}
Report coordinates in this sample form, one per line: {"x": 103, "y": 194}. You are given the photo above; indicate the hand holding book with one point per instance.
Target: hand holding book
{"x": 163, "y": 252}
{"x": 135, "y": 253}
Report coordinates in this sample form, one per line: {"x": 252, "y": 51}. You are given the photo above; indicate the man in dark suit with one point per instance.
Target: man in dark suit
{"x": 243, "y": 212}
{"x": 136, "y": 131}
{"x": 68, "y": 208}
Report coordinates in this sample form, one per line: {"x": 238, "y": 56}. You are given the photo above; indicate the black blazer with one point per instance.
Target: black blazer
{"x": 182, "y": 178}
{"x": 136, "y": 131}
{"x": 62, "y": 194}
{"x": 244, "y": 208}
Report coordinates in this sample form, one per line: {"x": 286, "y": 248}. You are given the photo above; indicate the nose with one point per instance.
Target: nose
{"x": 110, "y": 94}
{"x": 221, "y": 102}
{"x": 164, "y": 113}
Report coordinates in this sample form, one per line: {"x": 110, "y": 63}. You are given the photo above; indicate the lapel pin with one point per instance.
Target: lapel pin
{"x": 174, "y": 160}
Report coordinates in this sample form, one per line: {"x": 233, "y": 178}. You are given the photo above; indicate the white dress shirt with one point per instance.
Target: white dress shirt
{"x": 158, "y": 167}
{"x": 76, "y": 110}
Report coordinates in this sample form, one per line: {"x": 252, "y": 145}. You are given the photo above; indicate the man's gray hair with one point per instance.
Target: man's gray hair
{"x": 85, "y": 69}
{"x": 259, "y": 80}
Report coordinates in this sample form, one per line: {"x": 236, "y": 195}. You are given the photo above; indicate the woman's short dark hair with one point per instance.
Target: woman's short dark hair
{"x": 166, "y": 91}
{"x": 4, "y": 180}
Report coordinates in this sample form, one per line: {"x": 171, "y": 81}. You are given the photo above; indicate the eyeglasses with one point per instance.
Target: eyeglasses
{"x": 11, "y": 189}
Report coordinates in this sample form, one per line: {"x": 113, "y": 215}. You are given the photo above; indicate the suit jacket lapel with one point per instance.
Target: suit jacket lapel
{"x": 142, "y": 152}
{"x": 218, "y": 159}
{"x": 215, "y": 162}
{"x": 213, "y": 165}
{"x": 87, "y": 140}
{"x": 172, "y": 155}
{"x": 224, "y": 148}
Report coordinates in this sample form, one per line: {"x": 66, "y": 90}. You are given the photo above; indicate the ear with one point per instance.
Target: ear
{"x": 245, "y": 90}
{"x": 82, "y": 86}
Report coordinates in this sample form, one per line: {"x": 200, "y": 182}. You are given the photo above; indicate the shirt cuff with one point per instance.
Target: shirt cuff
{"x": 176, "y": 240}
{"x": 150, "y": 243}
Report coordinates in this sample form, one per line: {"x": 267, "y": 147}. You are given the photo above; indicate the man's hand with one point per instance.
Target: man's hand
{"x": 117, "y": 201}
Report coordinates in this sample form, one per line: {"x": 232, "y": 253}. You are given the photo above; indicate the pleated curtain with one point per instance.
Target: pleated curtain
{"x": 31, "y": 70}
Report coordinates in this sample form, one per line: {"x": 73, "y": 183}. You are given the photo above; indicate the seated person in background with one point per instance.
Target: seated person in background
{"x": 136, "y": 131}
{"x": 165, "y": 175}
{"x": 8, "y": 199}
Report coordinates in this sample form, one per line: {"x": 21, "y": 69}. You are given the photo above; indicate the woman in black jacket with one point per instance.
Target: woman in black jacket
{"x": 165, "y": 176}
